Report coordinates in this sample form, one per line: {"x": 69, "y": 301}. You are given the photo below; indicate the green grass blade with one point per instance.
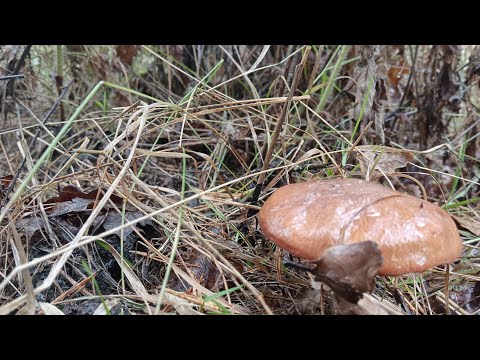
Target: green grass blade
{"x": 95, "y": 284}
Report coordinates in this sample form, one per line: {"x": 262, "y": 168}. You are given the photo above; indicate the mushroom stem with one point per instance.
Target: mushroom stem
{"x": 349, "y": 270}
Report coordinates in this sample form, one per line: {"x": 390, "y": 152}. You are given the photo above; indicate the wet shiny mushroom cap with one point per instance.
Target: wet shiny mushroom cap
{"x": 308, "y": 218}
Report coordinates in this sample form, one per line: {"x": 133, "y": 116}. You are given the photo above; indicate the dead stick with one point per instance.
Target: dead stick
{"x": 9, "y": 77}
{"x": 278, "y": 128}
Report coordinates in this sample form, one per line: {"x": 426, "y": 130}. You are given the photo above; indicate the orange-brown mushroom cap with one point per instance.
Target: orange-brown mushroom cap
{"x": 308, "y": 218}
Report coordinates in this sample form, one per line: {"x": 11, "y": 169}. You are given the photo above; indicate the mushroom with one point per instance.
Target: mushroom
{"x": 310, "y": 219}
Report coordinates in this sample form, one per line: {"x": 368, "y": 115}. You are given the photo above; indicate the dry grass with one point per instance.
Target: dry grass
{"x": 185, "y": 167}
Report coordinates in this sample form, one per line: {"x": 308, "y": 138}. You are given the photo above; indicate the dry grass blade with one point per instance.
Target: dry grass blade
{"x": 135, "y": 283}
{"x": 49, "y": 309}
{"x": 31, "y": 306}
{"x": 451, "y": 304}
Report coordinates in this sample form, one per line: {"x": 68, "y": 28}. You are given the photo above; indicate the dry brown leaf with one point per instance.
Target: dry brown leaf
{"x": 205, "y": 272}
{"x": 114, "y": 220}
{"x": 468, "y": 223}
{"x": 70, "y": 192}
{"x": 185, "y": 308}
{"x": 373, "y": 306}
{"x": 74, "y": 205}
{"x": 6, "y": 180}
{"x": 367, "y": 78}
{"x": 126, "y": 53}
{"x": 310, "y": 153}
{"x": 138, "y": 287}
{"x": 309, "y": 302}
{"x": 395, "y": 73}
{"x": 382, "y": 159}
{"x": 30, "y": 225}
{"x": 73, "y": 200}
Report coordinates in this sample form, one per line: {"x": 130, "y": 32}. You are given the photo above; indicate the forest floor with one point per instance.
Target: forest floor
{"x": 128, "y": 173}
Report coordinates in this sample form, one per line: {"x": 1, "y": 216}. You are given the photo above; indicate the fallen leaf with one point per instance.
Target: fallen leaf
{"x": 126, "y": 53}
{"x": 309, "y": 302}
{"x": 72, "y": 200}
{"x": 373, "y": 306}
{"x": 468, "y": 297}
{"x": 70, "y": 192}
{"x": 382, "y": 158}
{"x": 30, "y": 225}
{"x": 114, "y": 219}
{"x": 468, "y": 223}
{"x": 204, "y": 272}
{"x": 6, "y": 180}
{"x": 367, "y": 305}
{"x": 74, "y": 205}
{"x": 395, "y": 73}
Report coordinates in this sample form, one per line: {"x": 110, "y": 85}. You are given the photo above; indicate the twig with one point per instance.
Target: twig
{"x": 9, "y": 77}
{"x": 59, "y": 79}
{"x": 412, "y": 72}
{"x": 415, "y": 83}
{"x": 359, "y": 138}
{"x": 10, "y": 88}
{"x": 440, "y": 296}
